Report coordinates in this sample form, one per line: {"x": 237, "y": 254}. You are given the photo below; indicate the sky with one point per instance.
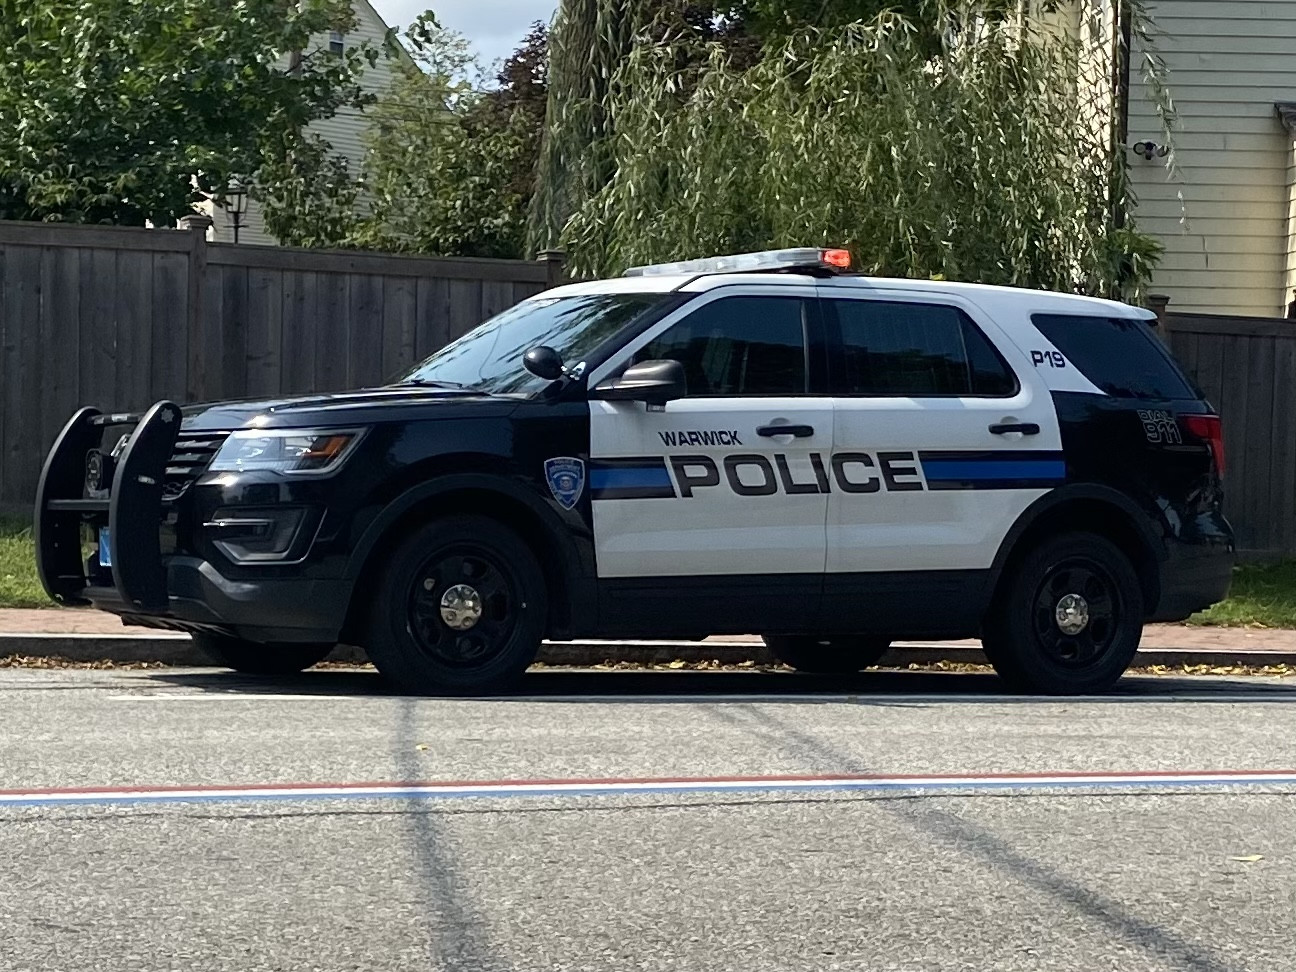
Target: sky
{"x": 493, "y": 26}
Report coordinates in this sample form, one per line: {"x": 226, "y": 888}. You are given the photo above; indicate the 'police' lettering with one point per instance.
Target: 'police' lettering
{"x": 892, "y": 472}
{"x": 847, "y": 485}
{"x": 792, "y": 487}
{"x": 688, "y": 482}
{"x": 768, "y": 484}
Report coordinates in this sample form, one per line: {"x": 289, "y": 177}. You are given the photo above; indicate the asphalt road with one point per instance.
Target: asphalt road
{"x": 862, "y": 871}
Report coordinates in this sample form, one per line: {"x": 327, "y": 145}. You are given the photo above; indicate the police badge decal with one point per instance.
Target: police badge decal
{"x": 566, "y": 477}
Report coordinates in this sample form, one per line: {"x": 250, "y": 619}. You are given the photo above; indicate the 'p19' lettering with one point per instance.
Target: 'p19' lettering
{"x": 1053, "y": 359}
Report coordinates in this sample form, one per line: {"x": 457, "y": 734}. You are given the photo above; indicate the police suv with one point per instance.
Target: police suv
{"x": 759, "y": 443}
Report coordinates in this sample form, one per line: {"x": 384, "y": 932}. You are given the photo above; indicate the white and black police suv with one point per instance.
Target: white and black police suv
{"x": 759, "y": 443}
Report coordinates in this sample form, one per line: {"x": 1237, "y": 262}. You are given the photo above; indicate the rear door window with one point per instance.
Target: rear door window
{"x": 1120, "y": 355}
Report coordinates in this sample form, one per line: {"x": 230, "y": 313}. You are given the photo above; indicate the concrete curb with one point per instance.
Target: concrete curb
{"x": 178, "y": 650}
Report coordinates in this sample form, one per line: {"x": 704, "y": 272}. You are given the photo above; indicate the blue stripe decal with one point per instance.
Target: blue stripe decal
{"x": 946, "y": 470}
{"x": 627, "y": 477}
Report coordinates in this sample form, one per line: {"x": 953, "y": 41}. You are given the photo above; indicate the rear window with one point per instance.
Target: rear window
{"x": 1120, "y": 355}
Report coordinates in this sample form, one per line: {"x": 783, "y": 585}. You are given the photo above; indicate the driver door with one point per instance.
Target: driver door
{"x": 706, "y": 488}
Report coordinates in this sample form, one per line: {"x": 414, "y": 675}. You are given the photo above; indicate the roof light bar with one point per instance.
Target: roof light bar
{"x": 799, "y": 258}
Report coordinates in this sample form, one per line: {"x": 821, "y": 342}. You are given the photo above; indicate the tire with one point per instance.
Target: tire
{"x": 827, "y": 656}
{"x": 254, "y": 658}
{"x": 503, "y": 612}
{"x": 1028, "y": 638}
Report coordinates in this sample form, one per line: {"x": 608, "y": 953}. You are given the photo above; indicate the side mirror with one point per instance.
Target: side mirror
{"x": 654, "y": 382}
{"x": 544, "y": 362}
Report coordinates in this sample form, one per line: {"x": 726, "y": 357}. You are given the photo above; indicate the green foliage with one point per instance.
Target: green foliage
{"x": 986, "y": 162}
{"x": 131, "y": 110}
{"x": 450, "y": 166}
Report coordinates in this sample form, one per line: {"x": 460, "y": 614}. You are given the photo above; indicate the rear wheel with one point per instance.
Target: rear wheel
{"x": 461, "y": 608}
{"x": 254, "y": 658}
{"x": 1068, "y": 619}
{"x": 827, "y": 656}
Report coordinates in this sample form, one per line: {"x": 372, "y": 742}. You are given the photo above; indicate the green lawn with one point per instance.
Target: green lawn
{"x": 18, "y": 584}
{"x": 1261, "y": 597}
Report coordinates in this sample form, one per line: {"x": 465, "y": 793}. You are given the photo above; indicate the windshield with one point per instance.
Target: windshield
{"x": 489, "y": 358}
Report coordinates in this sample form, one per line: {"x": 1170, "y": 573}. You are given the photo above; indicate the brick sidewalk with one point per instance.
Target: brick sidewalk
{"x": 56, "y": 621}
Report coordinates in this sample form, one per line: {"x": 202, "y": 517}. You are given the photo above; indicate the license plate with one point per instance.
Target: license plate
{"x": 105, "y": 548}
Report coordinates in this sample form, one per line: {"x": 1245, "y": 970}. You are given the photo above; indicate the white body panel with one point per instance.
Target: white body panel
{"x": 713, "y": 531}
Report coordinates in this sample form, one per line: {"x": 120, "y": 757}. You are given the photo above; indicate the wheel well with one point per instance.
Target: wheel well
{"x": 499, "y": 507}
{"x": 1103, "y": 519}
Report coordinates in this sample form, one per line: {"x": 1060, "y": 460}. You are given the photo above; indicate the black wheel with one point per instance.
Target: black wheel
{"x": 1068, "y": 619}
{"x": 254, "y": 658}
{"x": 827, "y": 656}
{"x": 460, "y": 609}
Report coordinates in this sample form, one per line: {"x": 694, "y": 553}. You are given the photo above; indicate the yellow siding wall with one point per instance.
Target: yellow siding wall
{"x": 1227, "y": 244}
{"x": 345, "y": 131}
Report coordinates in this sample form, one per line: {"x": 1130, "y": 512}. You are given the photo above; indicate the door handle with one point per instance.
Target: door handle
{"x": 800, "y": 431}
{"x": 1025, "y": 428}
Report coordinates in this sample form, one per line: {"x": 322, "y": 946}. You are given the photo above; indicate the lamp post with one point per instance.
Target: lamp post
{"x": 235, "y": 203}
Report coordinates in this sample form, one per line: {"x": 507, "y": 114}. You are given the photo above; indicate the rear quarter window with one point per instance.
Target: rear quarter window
{"x": 1120, "y": 355}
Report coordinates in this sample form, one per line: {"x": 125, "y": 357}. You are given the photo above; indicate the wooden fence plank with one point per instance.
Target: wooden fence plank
{"x": 233, "y": 349}
{"x": 399, "y": 325}
{"x": 60, "y": 336}
{"x": 300, "y": 300}
{"x": 366, "y": 320}
{"x": 169, "y": 368}
{"x": 465, "y": 306}
{"x": 497, "y": 296}
{"x": 1284, "y": 439}
{"x": 332, "y": 332}
{"x": 432, "y": 330}
{"x": 374, "y": 264}
{"x": 21, "y": 310}
{"x": 264, "y": 333}
{"x": 99, "y": 328}
{"x": 1258, "y": 508}
{"x": 134, "y": 315}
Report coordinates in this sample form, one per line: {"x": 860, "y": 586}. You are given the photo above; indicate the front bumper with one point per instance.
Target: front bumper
{"x": 144, "y": 585}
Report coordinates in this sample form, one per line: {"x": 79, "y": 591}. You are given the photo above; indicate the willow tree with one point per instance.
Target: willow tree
{"x": 991, "y": 160}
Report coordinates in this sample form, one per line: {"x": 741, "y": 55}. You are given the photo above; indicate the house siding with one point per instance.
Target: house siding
{"x": 1224, "y": 221}
{"x": 345, "y": 131}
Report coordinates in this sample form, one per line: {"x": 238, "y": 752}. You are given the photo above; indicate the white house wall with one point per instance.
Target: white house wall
{"x": 1227, "y": 244}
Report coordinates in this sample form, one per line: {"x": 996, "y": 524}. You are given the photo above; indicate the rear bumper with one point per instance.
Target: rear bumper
{"x": 143, "y": 585}
{"x": 1197, "y": 571}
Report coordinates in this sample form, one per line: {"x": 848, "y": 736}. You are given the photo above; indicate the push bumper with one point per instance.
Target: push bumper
{"x": 141, "y": 584}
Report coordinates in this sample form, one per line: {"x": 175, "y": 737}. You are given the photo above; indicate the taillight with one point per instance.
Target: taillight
{"x": 1210, "y": 429}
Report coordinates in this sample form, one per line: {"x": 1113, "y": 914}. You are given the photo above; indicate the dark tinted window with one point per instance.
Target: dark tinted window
{"x": 1121, "y": 356}
{"x": 738, "y": 346}
{"x": 912, "y": 350}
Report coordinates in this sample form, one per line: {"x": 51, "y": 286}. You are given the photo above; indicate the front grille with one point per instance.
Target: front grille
{"x": 193, "y": 454}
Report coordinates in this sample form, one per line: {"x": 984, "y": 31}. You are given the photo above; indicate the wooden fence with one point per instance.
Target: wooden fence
{"x": 1247, "y": 368}
{"x": 120, "y": 317}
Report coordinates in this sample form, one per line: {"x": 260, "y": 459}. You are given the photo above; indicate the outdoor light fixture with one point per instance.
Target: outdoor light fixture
{"x": 234, "y": 202}
{"x": 1149, "y": 149}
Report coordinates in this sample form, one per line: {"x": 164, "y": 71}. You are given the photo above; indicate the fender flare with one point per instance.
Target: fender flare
{"x": 1144, "y": 524}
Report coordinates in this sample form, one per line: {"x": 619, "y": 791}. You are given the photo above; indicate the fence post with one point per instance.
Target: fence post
{"x": 553, "y": 261}
{"x": 1157, "y": 303}
{"x": 196, "y": 370}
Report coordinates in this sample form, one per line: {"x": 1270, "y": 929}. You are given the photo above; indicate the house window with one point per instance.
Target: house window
{"x": 337, "y": 42}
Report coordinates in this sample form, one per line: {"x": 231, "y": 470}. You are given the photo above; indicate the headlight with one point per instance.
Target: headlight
{"x": 302, "y": 452}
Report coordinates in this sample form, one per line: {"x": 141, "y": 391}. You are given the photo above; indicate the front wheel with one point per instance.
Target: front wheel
{"x": 254, "y": 658}
{"x": 827, "y": 656}
{"x": 1068, "y": 619}
{"x": 461, "y": 608}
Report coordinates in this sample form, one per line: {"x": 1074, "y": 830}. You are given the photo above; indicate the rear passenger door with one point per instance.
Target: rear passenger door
{"x": 943, "y": 435}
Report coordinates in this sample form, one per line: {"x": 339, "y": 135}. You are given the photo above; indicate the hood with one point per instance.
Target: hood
{"x": 363, "y": 407}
